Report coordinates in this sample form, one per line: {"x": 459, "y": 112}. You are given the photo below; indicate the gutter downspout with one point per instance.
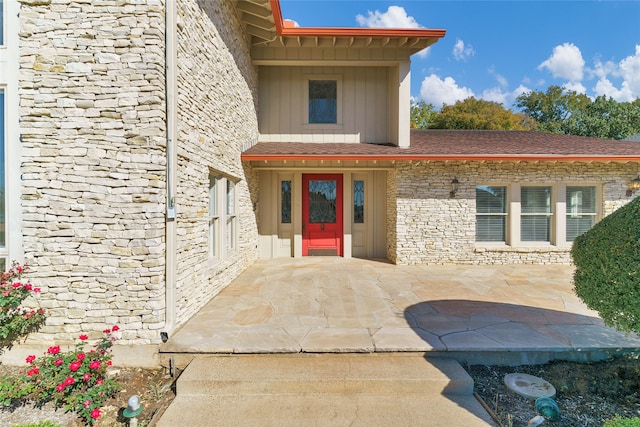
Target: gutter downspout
{"x": 170, "y": 223}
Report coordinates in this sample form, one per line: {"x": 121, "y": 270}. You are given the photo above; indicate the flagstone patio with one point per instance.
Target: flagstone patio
{"x": 510, "y": 314}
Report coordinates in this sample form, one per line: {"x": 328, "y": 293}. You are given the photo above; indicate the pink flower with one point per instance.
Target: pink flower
{"x": 60, "y": 387}
{"x": 30, "y": 359}
{"x": 109, "y": 363}
{"x": 58, "y": 362}
{"x": 81, "y": 356}
{"x": 95, "y": 414}
{"x": 28, "y": 286}
{"x": 86, "y": 403}
{"x": 94, "y": 365}
{"x": 36, "y": 290}
{"x": 54, "y": 350}
{"x": 74, "y": 366}
{"x": 115, "y": 328}
{"x": 34, "y": 371}
{"x": 86, "y": 377}
{"x": 83, "y": 337}
{"x": 99, "y": 381}
{"x": 68, "y": 381}
{"x": 107, "y": 331}
{"x": 16, "y": 285}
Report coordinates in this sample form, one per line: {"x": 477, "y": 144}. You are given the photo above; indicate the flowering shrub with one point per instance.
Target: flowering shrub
{"x": 76, "y": 380}
{"x": 16, "y": 321}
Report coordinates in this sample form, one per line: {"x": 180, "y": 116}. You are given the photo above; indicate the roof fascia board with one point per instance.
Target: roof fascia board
{"x": 347, "y": 32}
{"x": 424, "y": 157}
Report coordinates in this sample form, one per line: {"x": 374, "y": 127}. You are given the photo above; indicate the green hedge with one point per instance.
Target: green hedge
{"x": 607, "y": 260}
{"x": 622, "y": 422}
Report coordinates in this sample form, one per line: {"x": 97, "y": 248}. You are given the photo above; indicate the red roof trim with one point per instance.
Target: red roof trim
{"x": 440, "y": 157}
{"x": 283, "y": 30}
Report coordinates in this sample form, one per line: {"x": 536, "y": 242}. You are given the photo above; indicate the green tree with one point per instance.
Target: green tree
{"x": 605, "y": 118}
{"x": 568, "y": 112}
{"x": 607, "y": 274}
{"x": 422, "y": 114}
{"x": 475, "y": 113}
{"x": 550, "y": 109}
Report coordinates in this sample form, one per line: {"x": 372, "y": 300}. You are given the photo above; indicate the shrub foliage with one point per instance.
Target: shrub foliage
{"x": 15, "y": 320}
{"x": 607, "y": 260}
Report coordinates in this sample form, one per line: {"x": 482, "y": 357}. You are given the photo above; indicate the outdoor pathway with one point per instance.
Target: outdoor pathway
{"x": 526, "y": 313}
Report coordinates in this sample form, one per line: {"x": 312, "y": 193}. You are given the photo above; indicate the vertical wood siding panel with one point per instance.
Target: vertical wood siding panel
{"x": 348, "y": 103}
{"x": 284, "y": 100}
{"x": 381, "y": 104}
{"x": 370, "y": 106}
{"x": 360, "y": 103}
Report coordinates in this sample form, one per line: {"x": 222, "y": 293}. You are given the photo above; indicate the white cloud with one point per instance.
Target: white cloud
{"x": 576, "y": 87}
{"x": 394, "y": 17}
{"x": 436, "y": 91}
{"x": 566, "y": 62}
{"x": 291, "y": 22}
{"x": 506, "y": 98}
{"x": 423, "y": 53}
{"x": 519, "y": 91}
{"x": 628, "y": 70}
{"x": 495, "y": 94}
{"x": 462, "y": 52}
{"x": 502, "y": 81}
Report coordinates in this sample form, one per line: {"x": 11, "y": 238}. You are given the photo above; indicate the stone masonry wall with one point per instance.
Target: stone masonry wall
{"x": 433, "y": 228}
{"x": 92, "y": 119}
{"x": 217, "y": 89}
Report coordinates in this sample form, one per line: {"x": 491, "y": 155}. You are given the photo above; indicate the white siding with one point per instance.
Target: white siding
{"x": 364, "y": 97}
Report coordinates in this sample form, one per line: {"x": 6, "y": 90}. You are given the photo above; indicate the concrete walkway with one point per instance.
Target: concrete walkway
{"x": 480, "y": 314}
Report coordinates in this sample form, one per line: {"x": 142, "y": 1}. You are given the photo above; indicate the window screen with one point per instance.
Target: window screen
{"x": 491, "y": 214}
{"x": 323, "y": 101}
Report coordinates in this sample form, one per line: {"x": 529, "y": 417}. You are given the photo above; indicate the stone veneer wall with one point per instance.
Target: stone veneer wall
{"x": 92, "y": 119}
{"x": 435, "y": 229}
{"x": 217, "y": 89}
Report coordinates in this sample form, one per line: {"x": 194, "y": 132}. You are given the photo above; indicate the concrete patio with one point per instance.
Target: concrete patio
{"x": 479, "y": 314}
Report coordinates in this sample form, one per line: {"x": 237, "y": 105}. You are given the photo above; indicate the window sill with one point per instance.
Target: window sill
{"x": 526, "y": 249}
{"x": 322, "y": 126}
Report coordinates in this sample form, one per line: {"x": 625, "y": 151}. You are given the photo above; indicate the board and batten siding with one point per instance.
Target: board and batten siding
{"x": 363, "y": 94}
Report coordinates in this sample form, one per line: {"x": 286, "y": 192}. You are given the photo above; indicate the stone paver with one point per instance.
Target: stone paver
{"x": 330, "y": 304}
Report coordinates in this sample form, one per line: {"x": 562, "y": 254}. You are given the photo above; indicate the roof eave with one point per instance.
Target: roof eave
{"x": 284, "y": 31}
{"x": 437, "y": 157}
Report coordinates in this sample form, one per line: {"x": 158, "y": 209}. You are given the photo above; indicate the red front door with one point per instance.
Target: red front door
{"x": 322, "y": 214}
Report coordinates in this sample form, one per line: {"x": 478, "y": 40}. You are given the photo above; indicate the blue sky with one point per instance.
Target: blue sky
{"x": 496, "y": 50}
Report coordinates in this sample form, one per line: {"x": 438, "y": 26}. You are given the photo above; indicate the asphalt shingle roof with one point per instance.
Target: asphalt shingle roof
{"x": 459, "y": 145}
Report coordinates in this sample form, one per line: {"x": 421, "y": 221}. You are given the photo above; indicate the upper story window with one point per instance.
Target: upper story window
{"x": 323, "y": 101}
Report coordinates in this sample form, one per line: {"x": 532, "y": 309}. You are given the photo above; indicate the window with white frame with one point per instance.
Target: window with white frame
{"x": 536, "y": 212}
{"x": 491, "y": 214}
{"x": 581, "y": 210}
{"x": 3, "y": 222}
{"x": 1, "y": 22}
{"x": 539, "y": 214}
{"x": 231, "y": 219}
{"x": 223, "y": 221}
{"x": 322, "y": 97}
